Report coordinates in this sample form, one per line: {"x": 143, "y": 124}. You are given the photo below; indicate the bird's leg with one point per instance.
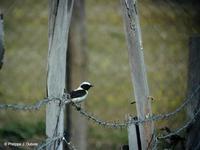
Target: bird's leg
{"x": 77, "y": 106}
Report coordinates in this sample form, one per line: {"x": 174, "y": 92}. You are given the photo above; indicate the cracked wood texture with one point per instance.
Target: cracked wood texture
{"x": 59, "y": 21}
{"x": 138, "y": 71}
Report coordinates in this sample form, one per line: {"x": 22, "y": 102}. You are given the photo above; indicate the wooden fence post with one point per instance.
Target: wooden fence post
{"x": 59, "y": 22}
{"x": 1, "y": 40}
{"x": 138, "y": 72}
{"x": 133, "y": 136}
{"x": 193, "y": 83}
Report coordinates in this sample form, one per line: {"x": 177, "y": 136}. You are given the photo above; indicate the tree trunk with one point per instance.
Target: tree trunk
{"x": 193, "y": 139}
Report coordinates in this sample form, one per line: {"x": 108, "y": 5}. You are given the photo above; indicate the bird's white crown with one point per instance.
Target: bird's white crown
{"x": 85, "y": 83}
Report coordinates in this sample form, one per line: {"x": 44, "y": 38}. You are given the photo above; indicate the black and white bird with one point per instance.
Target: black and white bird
{"x": 79, "y": 94}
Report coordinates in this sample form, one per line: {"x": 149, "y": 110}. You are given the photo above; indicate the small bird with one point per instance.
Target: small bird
{"x": 79, "y": 94}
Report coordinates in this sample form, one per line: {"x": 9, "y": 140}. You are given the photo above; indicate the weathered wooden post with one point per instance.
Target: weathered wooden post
{"x": 193, "y": 82}
{"x": 134, "y": 136}
{"x": 1, "y": 40}
{"x": 59, "y": 22}
{"x": 138, "y": 72}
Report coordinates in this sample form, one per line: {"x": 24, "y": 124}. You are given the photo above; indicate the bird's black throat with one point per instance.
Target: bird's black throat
{"x": 86, "y": 86}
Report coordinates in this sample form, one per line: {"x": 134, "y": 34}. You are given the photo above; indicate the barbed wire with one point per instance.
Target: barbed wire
{"x": 69, "y": 144}
{"x": 50, "y": 141}
{"x": 115, "y": 124}
{"x": 89, "y": 116}
{"x": 178, "y": 109}
{"x": 155, "y": 141}
{"x": 65, "y": 99}
{"x": 126, "y": 123}
{"x": 186, "y": 125}
{"x": 47, "y": 142}
{"x": 177, "y": 131}
{"x": 25, "y": 107}
{"x": 155, "y": 144}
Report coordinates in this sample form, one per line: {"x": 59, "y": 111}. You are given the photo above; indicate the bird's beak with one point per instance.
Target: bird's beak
{"x": 92, "y": 85}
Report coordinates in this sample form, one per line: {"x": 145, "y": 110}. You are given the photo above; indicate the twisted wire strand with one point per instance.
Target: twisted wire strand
{"x": 186, "y": 125}
{"x": 89, "y": 116}
{"x": 126, "y": 123}
{"x": 100, "y": 122}
{"x": 69, "y": 144}
{"x": 66, "y": 100}
{"x": 26, "y": 107}
{"x": 48, "y": 142}
{"x": 155, "y": 144}
{"x": 168, "y": 115}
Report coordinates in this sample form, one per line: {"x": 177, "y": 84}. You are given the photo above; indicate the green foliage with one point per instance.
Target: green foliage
{"x": 15, "y": 131}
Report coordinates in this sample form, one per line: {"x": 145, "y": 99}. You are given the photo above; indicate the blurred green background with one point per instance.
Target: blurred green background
{"x": 166, "y": 27}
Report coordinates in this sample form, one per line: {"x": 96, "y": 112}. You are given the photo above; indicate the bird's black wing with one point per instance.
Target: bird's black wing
{"x": 77, "y": 93}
